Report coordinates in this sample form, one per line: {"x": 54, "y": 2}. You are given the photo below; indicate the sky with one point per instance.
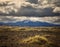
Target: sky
{"x": 33, "y": 10}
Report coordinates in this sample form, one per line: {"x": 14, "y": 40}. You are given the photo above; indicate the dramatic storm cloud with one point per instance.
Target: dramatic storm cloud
{"x": 30, "y": 7}
{"x": 31, "y": 10}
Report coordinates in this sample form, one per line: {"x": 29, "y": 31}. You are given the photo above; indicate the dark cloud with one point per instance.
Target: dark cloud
{"x": 37, "y": 8}
{"x": 33, "y": 1}
{"x": 30, "y": 11}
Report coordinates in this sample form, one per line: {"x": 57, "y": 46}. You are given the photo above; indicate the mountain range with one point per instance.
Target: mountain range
{"x": 29, "y": 23}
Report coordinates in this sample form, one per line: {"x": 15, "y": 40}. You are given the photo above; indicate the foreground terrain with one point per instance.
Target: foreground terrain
{"x": 29, "y": 36}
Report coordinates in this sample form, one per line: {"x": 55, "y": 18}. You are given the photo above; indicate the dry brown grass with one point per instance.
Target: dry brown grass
{"x": 29, "y": 36}
{"x": 40, "y": 41}
{"x": 35, "y": 39}
{"x": 16, "y": 28}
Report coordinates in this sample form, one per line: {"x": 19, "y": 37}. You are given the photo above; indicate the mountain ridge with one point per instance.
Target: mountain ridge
{"x": 29, "y": 23}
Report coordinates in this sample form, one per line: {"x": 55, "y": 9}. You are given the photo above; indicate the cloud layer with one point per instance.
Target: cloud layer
{"x": 7, "y": 19}
{"x": 30, "y": 7}
{"x": 39, "y": 10}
